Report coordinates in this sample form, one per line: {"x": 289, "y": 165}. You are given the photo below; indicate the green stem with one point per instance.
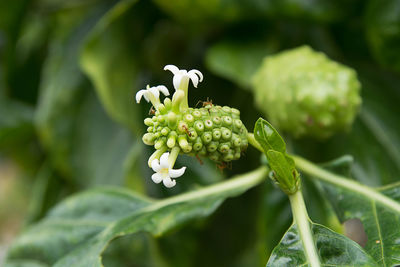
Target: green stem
{"x": 338, "y": 180}
{"x": 247, "y": 180}
{"x": 300, "y": 217}
{"x": 252, "y": 141}
{"x": 184, "y": 86}
{"x": 345, "y": 182}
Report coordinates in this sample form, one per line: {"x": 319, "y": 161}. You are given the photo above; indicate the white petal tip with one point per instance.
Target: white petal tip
{"x": 157, "y": 178}
{"x": 177, "y": 172}
{"x": 168, "y": 182}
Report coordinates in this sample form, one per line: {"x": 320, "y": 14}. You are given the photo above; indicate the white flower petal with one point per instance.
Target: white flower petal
{"x": 157, "y": 178}
{"x": 194, "y": 78}
{"x": 154, "y": 91}
{"x": 177, "y": 173}
{"x": 177, "y": 80}
{"x": 198, "y": 73}
{"x": 164, "y": 160}
{"x": 168, "y": 182}
{"x": 163, "y": 89}
{"x": 155, "y": 165}
{"x": 172, "y": 68}
{"x": 146, "y": 96}
{"x": 139, "y": 95}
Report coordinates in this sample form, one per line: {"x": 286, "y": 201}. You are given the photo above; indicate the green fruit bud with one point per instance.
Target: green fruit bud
{"x": 307, "y": 94}
{"x": 216, "y": 134}
{"x": 212, "y": 131}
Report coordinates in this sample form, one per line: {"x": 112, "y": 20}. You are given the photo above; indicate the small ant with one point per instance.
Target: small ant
{"x": 152, "y": 111}
{"x": 205, "y": 103}
{"x": 199, "y": 159}
{"x": 224, "y": 165}
{"x": 208, "y": 102}
{"x": 187, "y": 130}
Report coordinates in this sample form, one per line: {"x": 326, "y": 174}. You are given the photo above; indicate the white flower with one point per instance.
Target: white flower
{"x": 151, "y": 92}
{"x": 179, "y": 75}
{"x": 163, "y": 171}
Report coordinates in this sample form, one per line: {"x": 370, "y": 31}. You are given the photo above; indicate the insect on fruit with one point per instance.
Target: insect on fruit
{"x": 208, "y": 102}
{"x": 152, "y": 111}
{"x": 187, "y": 130}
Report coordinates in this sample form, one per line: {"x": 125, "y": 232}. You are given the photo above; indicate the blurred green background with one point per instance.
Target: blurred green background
{"x": 69, "y": 71}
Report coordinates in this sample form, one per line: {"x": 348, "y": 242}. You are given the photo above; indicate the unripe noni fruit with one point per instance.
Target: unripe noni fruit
{"x": 307, "y": 94}
{"x": 212, "y": 131}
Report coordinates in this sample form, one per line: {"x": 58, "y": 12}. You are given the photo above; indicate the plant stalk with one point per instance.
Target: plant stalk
{"x": 338, "y": 180}
{"x": 300, "y": 217}
{"x": 345, "y": 182}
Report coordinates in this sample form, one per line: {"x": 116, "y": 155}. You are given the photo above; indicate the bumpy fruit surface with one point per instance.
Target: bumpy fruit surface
{"x": 212, "y": 131}
{"x": 307, "y": 94}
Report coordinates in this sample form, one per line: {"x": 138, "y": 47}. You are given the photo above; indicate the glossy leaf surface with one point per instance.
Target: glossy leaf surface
{"x": 333, "y": 248}
{"x": 268, "y": 137}
{"x": 380, "y": 222}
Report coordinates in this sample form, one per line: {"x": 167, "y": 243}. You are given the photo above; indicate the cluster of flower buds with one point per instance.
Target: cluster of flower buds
{"x": 211, "y": 131}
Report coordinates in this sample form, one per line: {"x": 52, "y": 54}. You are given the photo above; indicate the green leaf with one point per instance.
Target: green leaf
{"x": 63, "y": 86}
{"x": 322, "y": 11}
{"x": 377, "y": 209}
{"x": 333, "y": 249}
{"x": 15, "y": 121}
{"x": 77, "y": 231}
{"x": 238, "y": 61}
{"x": 84, "y": 144}
{"x": 380, "y": 223}
{"x": 109, "y": 61}
{"x": 284, "y": 170}
{"x": 383, "y": 31}
{"x": 268, "y": 137}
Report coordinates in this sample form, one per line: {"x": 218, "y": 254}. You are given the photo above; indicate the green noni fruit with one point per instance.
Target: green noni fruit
{"x": 212, "y": 131}
{"x": 305, "y": 93}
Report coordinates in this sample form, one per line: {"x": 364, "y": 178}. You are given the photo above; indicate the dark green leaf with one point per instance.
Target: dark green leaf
{"x": 268, "y": 137}
{"x": 333, "y": 249}
{"x": 380, "y": 222}
{"x": 109, "y": 61}
{"x": 80, "y": 228}
{"x": 15, "y": 121}
{"x": 383, "y": 31}
{"x": 83, "y": 143}
{"x": 316, "y": 10}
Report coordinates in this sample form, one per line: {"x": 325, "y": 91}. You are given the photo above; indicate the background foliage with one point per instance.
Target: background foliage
{"x": 68, "y": 74}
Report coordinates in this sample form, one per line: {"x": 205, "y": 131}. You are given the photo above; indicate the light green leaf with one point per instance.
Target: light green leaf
{"x": 284, "y": 170}
{"x": 268, "y": 137}
{"x": 108, "y": 59}
{"x": 333, "y": 249}
{"x": 77, "y": 231}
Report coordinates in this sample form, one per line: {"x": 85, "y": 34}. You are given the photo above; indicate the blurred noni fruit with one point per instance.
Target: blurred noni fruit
{"x": 305, "y": 93}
